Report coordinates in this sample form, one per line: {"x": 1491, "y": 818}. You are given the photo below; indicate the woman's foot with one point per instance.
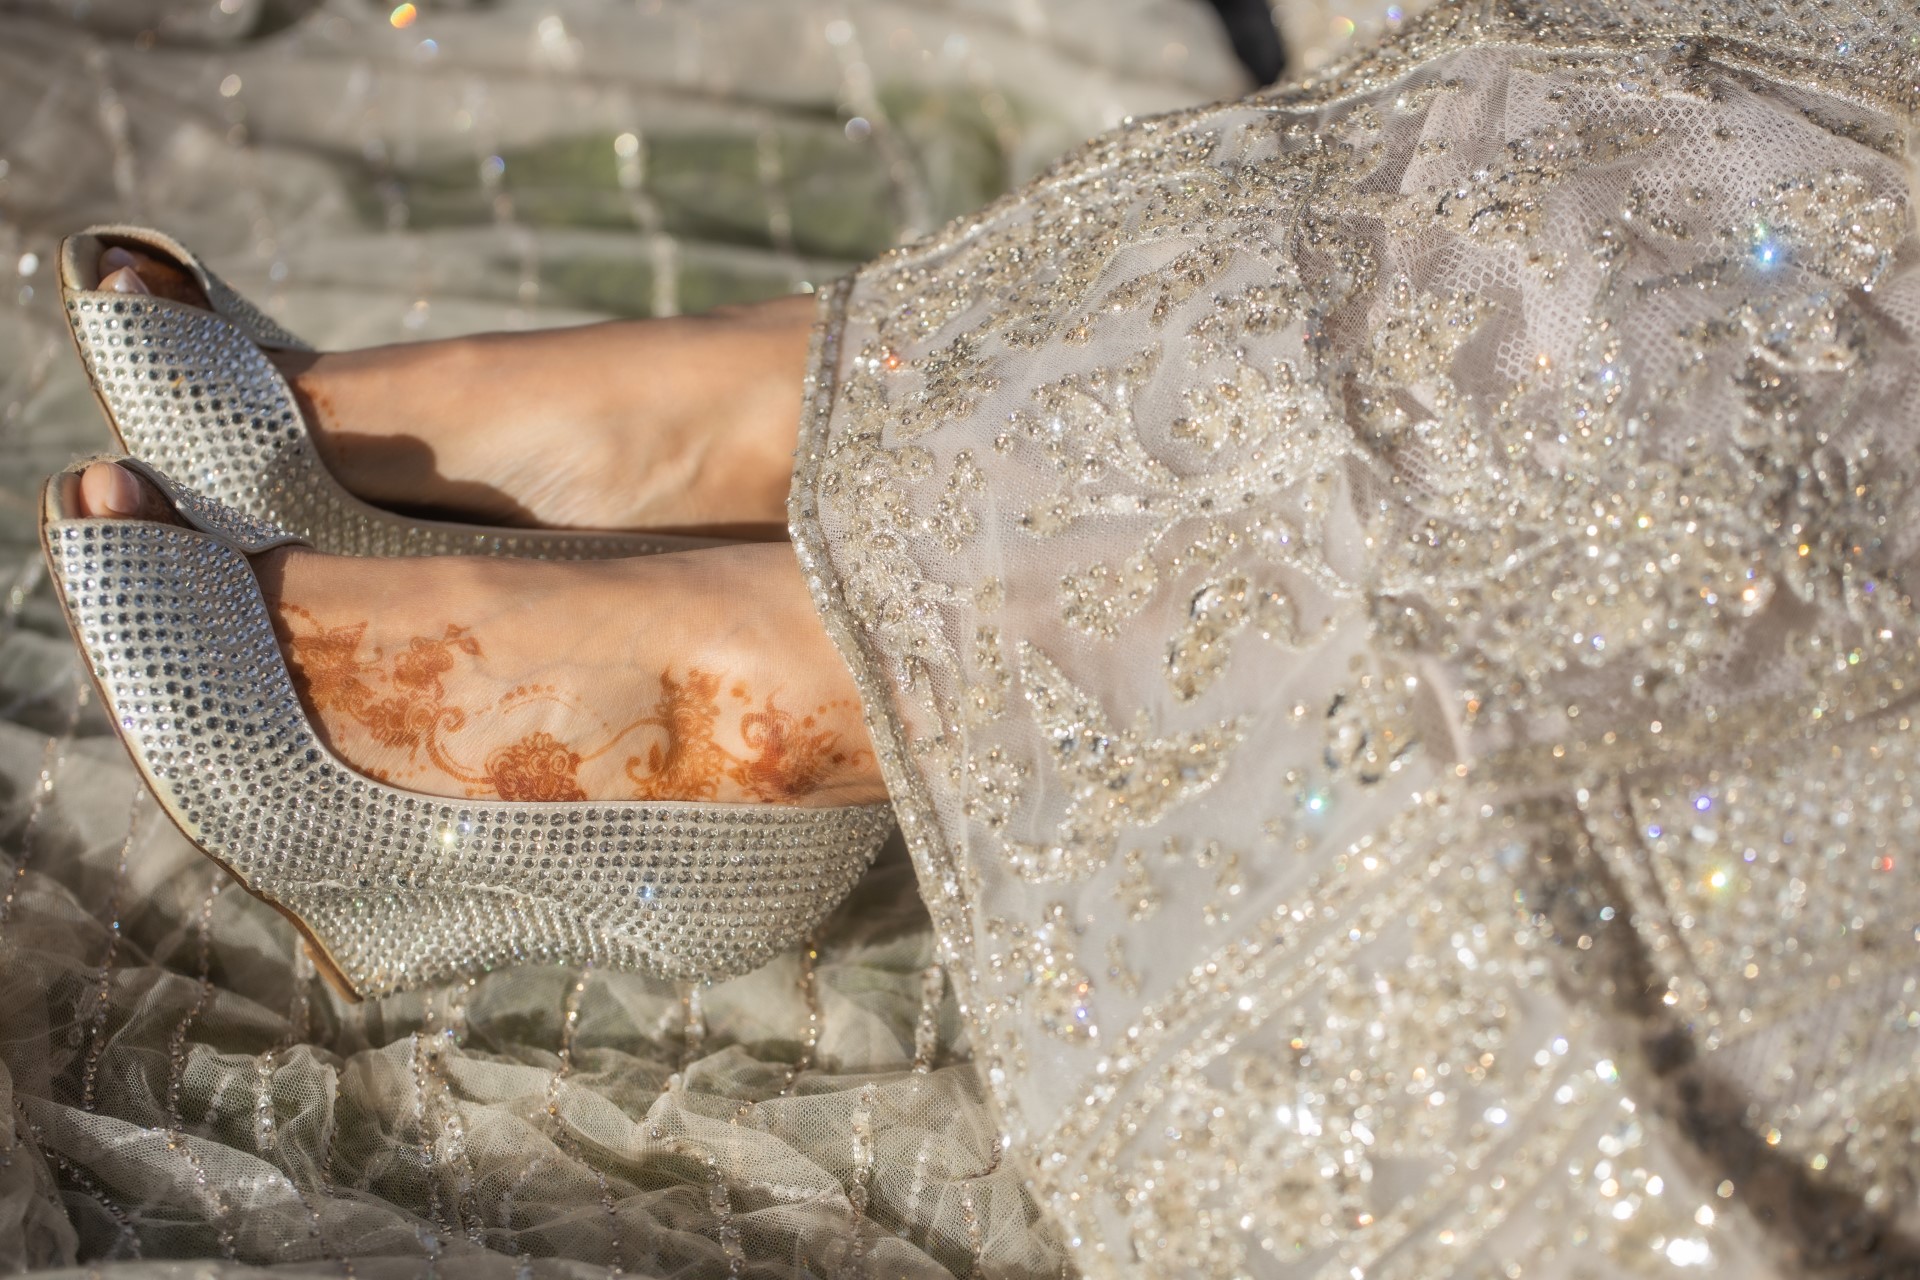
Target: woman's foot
{"x": 701, "y": 675}
{"x": 678, "y": 425}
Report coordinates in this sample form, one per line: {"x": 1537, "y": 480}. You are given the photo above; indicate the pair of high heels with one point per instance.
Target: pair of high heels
{"x": 390, "y": 888}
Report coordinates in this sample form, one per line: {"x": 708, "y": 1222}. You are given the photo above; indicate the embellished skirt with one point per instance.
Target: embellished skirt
{"x": 1384, "y": 608}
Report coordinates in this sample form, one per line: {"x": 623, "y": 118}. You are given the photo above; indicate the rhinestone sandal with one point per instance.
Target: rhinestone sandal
{"x": 192, "y": 391}
{"x": 391, "y": 888}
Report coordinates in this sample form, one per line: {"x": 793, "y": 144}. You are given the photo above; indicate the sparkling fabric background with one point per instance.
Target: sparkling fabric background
{"x": 177, "y": 1084}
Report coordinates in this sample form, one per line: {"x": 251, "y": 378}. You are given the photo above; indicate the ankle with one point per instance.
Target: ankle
{"x": 733, "y": 380}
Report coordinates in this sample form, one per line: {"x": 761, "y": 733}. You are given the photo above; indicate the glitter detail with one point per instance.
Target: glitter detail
{"x": 399, "y": 888}
{"x": 1538, "y": 390}
{"x": 193, "y": 392}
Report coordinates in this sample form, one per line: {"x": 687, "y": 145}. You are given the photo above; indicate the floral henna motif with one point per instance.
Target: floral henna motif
{"x": 791, "y": 756}
{"x": 326, "y": 663}
{"x": 538, "y": 767}
{"x": 690, "y": 764}
{"x": 401, "y": 703}
{"x": 419, "y": 668}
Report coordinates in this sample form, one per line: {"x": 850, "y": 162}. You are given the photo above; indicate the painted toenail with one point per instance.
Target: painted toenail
{"x": 114, "y": 259}
{"x": 125, "y": 280}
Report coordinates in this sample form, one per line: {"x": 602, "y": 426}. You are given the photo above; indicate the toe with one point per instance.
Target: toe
{"x": 108, "y": 492}
{"x": 111, "y": 492}
{"x": 125, "y": 270}
{"x": 125, "y": 280}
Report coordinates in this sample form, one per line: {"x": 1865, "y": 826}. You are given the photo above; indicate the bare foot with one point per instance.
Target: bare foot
{"x": 685, "y": 424}
{"x": 700, "y": 675}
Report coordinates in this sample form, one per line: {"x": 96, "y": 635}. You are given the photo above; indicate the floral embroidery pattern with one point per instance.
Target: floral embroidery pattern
{"x": 1557, "y": 420}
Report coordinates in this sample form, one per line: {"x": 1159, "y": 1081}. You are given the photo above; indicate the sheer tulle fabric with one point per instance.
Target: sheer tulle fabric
{"x": 204, "y": 1098}
{"x": 178, "y": 1083}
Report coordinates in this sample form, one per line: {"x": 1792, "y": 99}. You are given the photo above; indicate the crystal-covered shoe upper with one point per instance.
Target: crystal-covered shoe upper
{"x": 194, "y": 392}
{"x": 401, "y": 888}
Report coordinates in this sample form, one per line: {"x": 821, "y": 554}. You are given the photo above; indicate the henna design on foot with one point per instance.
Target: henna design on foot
{"x": 335, "y": 679}
{"x": 401, "y": 702}
{"x": 690, "y": 763}
{"x": 538, "y": 767}
{"x": 791, "y": 757}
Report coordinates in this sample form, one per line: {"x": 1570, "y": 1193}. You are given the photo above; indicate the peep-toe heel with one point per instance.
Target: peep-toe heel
{"x": 394, "y": 888}
{"x": 192, "y": 391}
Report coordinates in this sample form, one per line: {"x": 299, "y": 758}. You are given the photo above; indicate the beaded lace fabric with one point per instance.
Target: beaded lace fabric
{"x": 1388, "y": 610}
